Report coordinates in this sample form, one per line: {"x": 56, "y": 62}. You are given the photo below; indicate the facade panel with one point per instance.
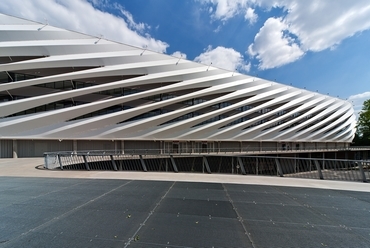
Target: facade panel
{"x": 61, "y": 85}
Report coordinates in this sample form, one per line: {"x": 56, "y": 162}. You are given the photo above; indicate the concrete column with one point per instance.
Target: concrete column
{"x": 15, "y": 149}
{"x": 123, "y": 146}
{"x": 74, "y": 146}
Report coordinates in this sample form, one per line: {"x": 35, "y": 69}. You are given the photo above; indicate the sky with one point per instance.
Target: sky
{"x": 320, "y": 45}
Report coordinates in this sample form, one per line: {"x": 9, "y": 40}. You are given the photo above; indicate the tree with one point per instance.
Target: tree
{"x": 363, "y": 124}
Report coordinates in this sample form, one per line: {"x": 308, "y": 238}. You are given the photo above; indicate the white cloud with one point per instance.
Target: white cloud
{"x": 226, "y": 9}
{"x": 272, "y": 47}
{"x": 140, "y": 27}
{"x": 250, "y": 16}
{"x": 225, "y": 58}
{"x": 82, "y": 16}
{"x": 179, "y": 54}
{"x": 323, "y": 24}
{"x": 358, "y": 100}
{"x": 316, "y": 24}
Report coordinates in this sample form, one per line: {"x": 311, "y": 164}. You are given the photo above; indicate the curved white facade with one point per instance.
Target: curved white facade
{"x": 58, "y": 84}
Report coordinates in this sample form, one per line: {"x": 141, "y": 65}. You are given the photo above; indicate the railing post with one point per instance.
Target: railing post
{"x": 317, "y": 164}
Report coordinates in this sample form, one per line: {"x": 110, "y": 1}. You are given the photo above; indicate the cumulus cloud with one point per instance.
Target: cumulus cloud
{"x": 317, "y": 25}
{"x": 323, "y": 24}
{"x": 179, "y": 54}
{"x": 83, "y": 16}
{"x": 273, "y": 47}
{"x": 314, "y": 25}
{"x": 250, "y": 15}
{"x": 226, "y": 9}
{"x": 225, "y": 58}
{"x": 358, "y": 100}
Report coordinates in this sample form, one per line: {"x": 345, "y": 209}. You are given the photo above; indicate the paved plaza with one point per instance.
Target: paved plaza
{"x": 42, "y": 208}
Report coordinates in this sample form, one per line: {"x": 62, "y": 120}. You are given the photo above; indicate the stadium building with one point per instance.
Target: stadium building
{"x": 66, "y": 91}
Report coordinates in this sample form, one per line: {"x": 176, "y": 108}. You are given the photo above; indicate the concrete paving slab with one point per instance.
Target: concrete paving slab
{"x": 107, "y": 212}
{"x": 41, "y": 208}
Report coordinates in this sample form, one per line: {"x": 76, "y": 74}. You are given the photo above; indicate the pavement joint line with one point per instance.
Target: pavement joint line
{"x": 64, "y": 214}
{"x": 238, "y": 216}
{"x": 149, "y": 215}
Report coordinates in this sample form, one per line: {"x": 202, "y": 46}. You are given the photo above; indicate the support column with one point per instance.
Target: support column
{"x": 205, "y": 163}
{"x": 323, "y": 161}
{"x": 317, "y": 164}
{"x": 240, "y": 162}
{"x": 113, "y": 163}
{"x": 278, "y": 167}
{"x": 86, "y": 163}
{"x": 74, "y": 146}
{"x": 173, "y": 164}
{"x": 15, "y": 149}
{"x": 362, "y": 173}
{"x": 60, "y": 162}
{"x": 123, "y": 146}
{"x": 143, "y": 163}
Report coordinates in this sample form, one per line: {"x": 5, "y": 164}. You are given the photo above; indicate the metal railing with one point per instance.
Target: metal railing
{"x": 215, "y": 150}
{"x": 229, "y": 163}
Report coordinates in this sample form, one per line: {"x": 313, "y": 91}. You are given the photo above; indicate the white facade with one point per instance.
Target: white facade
{"x": 58, "y": 85}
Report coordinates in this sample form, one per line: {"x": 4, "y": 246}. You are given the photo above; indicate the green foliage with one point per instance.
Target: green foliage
{"x": 363, "y": 125}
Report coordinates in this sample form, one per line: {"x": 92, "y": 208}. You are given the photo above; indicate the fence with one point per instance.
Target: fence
{"x": 230, "y": 163}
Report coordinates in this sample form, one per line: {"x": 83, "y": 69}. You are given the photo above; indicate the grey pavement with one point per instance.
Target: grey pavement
{"x": 42, "y": 208}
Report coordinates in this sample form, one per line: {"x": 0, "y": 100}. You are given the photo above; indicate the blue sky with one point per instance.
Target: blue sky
{"x": 321, "y": 45}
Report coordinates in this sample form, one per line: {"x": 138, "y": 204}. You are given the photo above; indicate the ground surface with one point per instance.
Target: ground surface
{"x": 76, "y": 212}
